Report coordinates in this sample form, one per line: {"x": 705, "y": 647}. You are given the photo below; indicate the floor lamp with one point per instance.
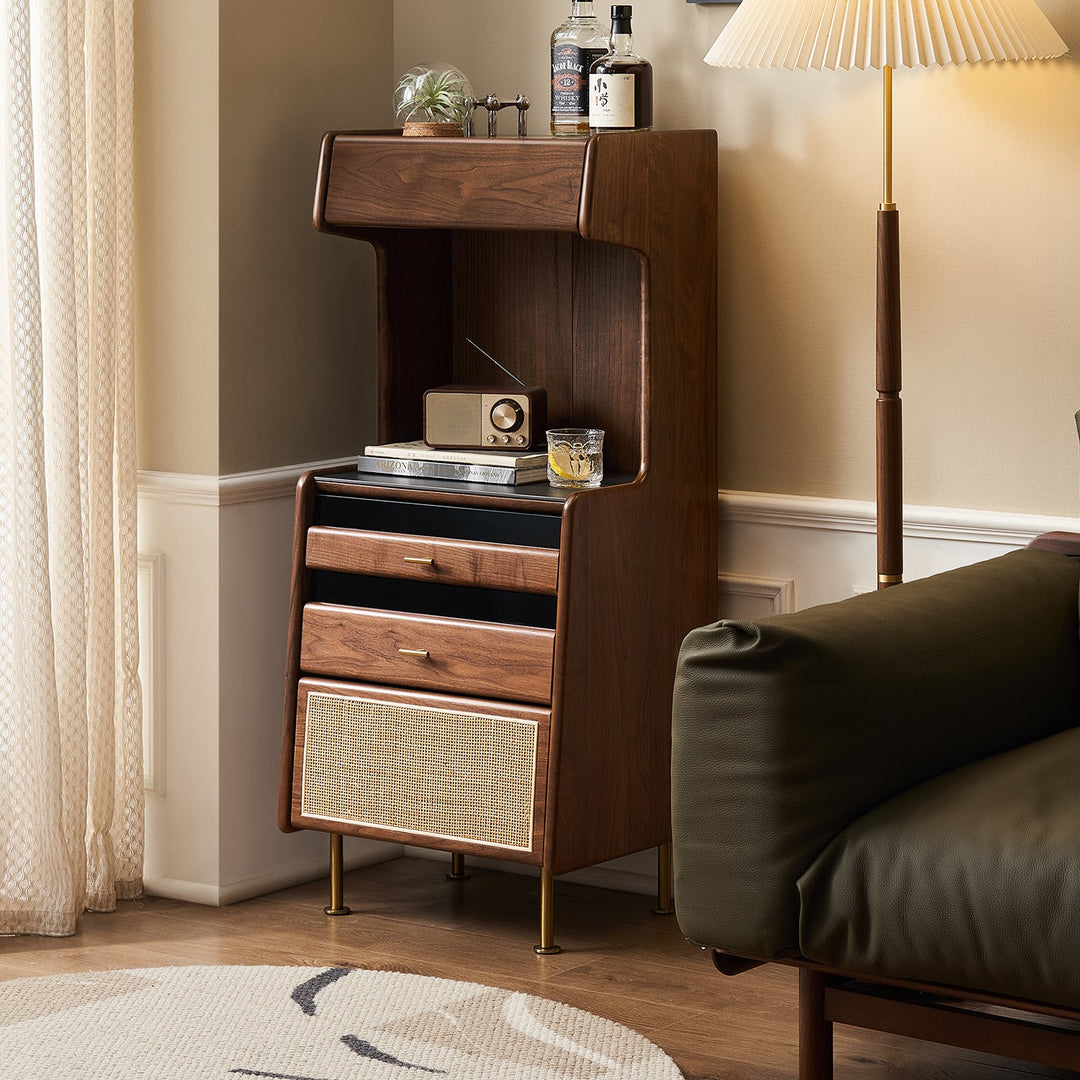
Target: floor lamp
{"x": 885, "y": 34}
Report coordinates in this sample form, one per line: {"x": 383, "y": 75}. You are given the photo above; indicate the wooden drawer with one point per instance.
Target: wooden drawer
{"x": 457, "y": 655}
{"x": 451, "y": 184}
{"x": 426, "y": 558}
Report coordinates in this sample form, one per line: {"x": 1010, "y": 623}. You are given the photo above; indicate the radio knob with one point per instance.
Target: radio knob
{"x": 507, "y": 415}
{"x": 491, "y": 438}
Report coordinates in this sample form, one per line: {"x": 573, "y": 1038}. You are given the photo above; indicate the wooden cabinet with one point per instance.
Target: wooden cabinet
{"x": 485, "y": 668}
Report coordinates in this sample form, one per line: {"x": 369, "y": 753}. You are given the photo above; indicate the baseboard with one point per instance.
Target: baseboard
{"x": 190, "y": 892}
{"x": 194, "y": 892}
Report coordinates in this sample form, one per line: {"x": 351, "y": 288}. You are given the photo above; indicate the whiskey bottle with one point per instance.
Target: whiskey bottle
{"x": 575, "y": 45}
{"x": 620, "y": 82}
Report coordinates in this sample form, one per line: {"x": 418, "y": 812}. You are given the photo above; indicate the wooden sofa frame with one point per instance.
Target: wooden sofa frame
{"x": 1027, "y": 1030}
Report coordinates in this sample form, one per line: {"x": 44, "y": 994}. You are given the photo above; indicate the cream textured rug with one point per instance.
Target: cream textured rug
{"x": 296, "y": 1023}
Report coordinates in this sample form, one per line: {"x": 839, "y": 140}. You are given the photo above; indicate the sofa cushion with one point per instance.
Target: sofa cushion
{"x": 787, "y": 730}
{"x": 971, "y": 879}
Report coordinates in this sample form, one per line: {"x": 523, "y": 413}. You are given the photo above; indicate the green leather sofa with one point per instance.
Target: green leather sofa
{"x": 885, "y": 792}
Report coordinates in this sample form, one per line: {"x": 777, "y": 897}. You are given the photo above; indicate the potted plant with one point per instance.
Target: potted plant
{"x": 433, "y": 99}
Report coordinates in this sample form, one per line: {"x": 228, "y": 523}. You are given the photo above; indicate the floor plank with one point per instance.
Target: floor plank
{"x": 620, "y": 961}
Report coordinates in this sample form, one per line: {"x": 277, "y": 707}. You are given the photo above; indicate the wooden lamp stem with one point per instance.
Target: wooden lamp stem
{"x": 890, "y": 491}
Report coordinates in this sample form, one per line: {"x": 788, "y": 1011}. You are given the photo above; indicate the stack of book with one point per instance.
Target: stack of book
{"x": 475, "y": 466}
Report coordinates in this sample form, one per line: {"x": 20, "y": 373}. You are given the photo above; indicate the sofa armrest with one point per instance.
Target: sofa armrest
{"x": 786, "y": 730}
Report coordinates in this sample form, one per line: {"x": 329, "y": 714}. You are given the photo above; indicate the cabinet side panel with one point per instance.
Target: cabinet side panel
{"x": 609, "y": 349}
{"x": 637, "y": 568}
{"x": 305, "y": 501}
{"x": 615, "y": 660}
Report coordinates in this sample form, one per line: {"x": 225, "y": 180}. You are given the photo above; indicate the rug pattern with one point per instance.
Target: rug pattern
{"x": 295, "y": 1023}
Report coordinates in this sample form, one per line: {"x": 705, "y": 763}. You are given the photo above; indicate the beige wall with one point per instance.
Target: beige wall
{"x": 297, "y": 307}
{"x": 176, "y": 234}
{"x": 254, "y": 333}
{"x": 987, "y": 167}
{"x": 254, "y": 349}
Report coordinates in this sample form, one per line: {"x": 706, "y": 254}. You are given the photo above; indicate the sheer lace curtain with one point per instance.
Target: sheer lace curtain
{"x": 70, "y": 723}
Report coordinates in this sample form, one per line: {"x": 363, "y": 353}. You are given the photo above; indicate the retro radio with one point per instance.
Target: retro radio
{"x": 476, "y": 417}
{"x": 485, "y": 417}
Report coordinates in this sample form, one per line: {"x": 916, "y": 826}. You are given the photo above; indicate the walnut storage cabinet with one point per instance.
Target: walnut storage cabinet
{"x": 487, "y": 669}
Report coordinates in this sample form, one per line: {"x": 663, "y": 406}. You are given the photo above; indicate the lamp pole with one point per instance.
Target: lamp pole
{"x": 808, "y": 34}
{"x": 889, "y": 432}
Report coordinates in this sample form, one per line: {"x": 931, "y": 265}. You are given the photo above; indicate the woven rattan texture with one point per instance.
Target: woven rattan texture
{"x": 429, "y": 771}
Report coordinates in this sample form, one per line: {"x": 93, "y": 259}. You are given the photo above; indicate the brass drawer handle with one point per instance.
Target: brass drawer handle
{"x": 414, "y": 652}
{"x": 418, "y": 560}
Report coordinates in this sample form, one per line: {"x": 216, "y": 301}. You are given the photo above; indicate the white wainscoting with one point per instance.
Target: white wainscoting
{"x": 214, "y": 643}
{"x": 825, "y": 549}
{"x": 151, "y": 593}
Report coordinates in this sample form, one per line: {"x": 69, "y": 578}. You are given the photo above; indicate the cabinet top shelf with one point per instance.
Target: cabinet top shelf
{"x": 392, "y": 181}
{"x": 593, "y": 186}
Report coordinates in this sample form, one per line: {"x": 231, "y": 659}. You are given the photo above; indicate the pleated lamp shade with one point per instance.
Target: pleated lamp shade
{"x": 843, "y": 34}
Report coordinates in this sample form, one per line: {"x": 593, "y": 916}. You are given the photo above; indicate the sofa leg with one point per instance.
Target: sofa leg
{"x": 815, "y": 1031}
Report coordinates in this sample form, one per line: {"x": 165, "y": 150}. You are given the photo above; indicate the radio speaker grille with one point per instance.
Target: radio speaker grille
{"x": 433, "y": 772}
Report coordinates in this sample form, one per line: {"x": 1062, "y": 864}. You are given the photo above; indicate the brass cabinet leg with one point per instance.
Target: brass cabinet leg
{"x": 547, "y": 944}
{"x": 457, "y": 867}
{"x": 815, "y": 1031}
{"x": 337, "y": 885}
{"x": 665, "y": 901}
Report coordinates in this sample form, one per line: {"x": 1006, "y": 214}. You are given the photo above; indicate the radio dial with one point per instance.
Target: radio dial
{"x": 507, "y": 415}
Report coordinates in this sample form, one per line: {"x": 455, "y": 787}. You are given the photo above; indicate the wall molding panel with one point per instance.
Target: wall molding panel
{"x": 826, "y": 548}
{"x": 741, "y": 596}
{"x": 151, "y": 593}
{"x": 920, "y": 522}
{"x": 199, "y": 489}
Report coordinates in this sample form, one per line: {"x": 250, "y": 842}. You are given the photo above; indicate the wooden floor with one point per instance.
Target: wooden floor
{"x": 619, "y": 961}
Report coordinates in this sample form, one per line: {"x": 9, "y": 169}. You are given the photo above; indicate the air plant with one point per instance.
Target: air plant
{"x": 432, "y": 94}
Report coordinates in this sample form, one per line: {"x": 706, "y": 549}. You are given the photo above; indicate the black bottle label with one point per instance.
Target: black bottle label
{"x": 570, "y": 79}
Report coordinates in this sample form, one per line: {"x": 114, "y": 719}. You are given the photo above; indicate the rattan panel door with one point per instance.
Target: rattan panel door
{"x": 374, "y": 766}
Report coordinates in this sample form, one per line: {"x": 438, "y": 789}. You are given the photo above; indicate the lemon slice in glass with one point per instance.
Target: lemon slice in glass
{"x": 561, "y": 465}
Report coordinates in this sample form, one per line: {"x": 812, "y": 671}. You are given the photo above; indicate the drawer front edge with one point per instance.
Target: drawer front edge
{"x": 456, "y": 655}
{"x": 426, "y": 558}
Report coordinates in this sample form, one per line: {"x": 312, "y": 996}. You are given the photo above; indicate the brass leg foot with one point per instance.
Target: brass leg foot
{"x": 665, "y": 898}
{"x": 547, "y": 946}
{"x": 337, "y": 885}
{"x": 457, "y": 868}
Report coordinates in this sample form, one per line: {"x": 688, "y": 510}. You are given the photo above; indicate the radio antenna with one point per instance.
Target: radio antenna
{"x": 494, "y": 361}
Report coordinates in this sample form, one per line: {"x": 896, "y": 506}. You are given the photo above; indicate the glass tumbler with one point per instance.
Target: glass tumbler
{"x": 575, "y": 457}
